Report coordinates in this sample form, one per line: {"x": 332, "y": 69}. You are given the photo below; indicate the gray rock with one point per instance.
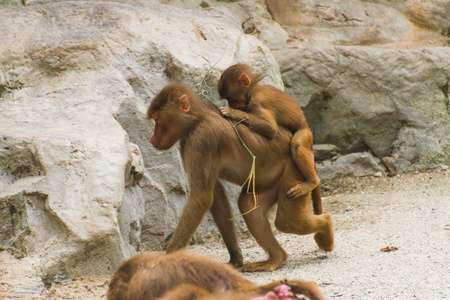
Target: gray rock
{"x": 395, "y": 165}
{"x": 325, "y": 151}
{"x": 355, "y": 164}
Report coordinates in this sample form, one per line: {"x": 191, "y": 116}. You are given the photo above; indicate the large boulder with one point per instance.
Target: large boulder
{"x": 76, "y": 79}
{"x": 393, "y": 103}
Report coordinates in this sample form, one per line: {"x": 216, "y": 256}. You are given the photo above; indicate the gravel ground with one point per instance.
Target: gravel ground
{"x": 410, "y": 212}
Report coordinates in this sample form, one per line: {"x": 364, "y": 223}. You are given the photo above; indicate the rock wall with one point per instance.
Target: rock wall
{"x": 81, "y": 188}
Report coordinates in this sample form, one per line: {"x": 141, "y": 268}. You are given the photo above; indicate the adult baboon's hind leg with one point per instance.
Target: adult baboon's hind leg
{"x": 259, "y": 226}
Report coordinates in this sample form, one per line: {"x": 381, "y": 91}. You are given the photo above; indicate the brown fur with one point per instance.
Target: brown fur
{"x": 182, "y": 275}
{"x": 263, "y": 108}
{"x": 211, "y": 151}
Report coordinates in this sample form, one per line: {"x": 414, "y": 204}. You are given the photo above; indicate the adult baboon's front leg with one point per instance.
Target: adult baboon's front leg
{"x": 193, "y": 213}
{"x": 221, "y": 212}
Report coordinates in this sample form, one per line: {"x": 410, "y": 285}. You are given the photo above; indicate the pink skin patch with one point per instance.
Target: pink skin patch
{"x": 281, "y": 292}
{"x": 312, "y": 158}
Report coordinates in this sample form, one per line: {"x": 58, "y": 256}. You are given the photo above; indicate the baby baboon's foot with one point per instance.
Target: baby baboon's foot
{"x": 324, "y": 242}
{"x": 325, "y": 239}
{"x": 300, "y": 189}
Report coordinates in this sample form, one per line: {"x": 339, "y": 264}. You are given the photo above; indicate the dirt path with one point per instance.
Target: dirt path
{"x": 410, "y": 212}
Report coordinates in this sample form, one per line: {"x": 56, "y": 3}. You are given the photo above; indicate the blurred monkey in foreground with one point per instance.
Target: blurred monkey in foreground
{"x": 182, "y": 275}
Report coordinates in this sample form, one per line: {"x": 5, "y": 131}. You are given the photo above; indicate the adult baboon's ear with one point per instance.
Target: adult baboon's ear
{"x": 184, "y": 104}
